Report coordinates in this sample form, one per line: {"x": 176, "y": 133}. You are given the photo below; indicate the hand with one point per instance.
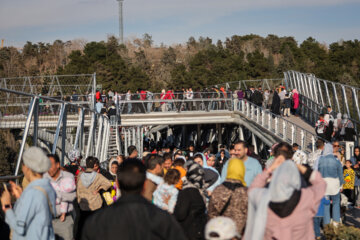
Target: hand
{"x": 62, "y": 217}
{"x": 16, "y": 190}
{"x": 302, "y": 169}
{"x": 277, "y": 162}
{"x": 5, "y": 199}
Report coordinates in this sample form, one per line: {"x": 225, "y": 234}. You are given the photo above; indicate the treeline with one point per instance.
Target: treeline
{"x": 196, "y": 63}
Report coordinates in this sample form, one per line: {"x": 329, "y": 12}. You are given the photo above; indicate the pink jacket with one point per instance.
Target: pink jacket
{"x": 296, "y": 100}
{"x": 298, "y": 225}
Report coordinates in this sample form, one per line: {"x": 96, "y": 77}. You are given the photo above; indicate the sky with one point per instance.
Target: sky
{"x": 174, "y": 21}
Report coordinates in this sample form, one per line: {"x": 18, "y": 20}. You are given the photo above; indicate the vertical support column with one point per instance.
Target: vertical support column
{"x": 312, "y": 143}
{"x": 90, "y": 144}
{"x": 63, "y": 136}
{"x": 125, "y": 143}
{"x": 284, "y": 130}
{"x": 276, "y": 125}
{"x": 254, "y": 143}
{"x": 302, "y": 139}
{"x": 79, "y": 130}
{"x": 133, "y": 136}
{"x": 58, "y": 126}
{"x": 241, "y": 133}
{"x": 219, "y": 132}
{"x": 98, "y": 142}
{"x": 292, "y": 134}
{"x": 26, "y": 131}
{"x": 36, "y": 121}
{"x": 142, "y": 140}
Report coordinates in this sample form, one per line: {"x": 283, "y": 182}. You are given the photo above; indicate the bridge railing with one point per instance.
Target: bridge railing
{"x": 59, "y": 132}
{"x": 178, "y": 102}
{"x": 316, "y": 94}
{"x": 278, "y": 125}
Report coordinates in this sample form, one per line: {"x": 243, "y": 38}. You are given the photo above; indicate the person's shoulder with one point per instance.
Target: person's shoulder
{"x": 67, "y": 174}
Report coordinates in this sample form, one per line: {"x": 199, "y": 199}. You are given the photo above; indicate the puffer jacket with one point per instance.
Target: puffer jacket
{"x": 230, "y": 200}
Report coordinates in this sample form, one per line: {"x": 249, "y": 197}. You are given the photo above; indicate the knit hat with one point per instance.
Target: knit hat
{"x": 221, "y": 228}
{"x": 35, "y": 159}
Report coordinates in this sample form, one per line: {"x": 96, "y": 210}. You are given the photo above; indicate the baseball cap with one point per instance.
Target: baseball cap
{"x": 221, "y": 228}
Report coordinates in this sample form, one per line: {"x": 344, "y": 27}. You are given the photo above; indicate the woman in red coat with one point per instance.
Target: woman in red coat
{"x": 296, "y": 101}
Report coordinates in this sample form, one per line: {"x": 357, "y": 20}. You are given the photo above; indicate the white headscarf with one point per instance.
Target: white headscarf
{"x": 285, "y": 180}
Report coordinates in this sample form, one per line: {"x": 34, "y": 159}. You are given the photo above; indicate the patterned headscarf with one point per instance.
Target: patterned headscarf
{"x": 74, "y": 155}
{"x": 194, "y": 175}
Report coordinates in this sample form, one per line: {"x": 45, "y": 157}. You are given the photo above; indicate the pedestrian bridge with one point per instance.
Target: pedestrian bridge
{"x": 61, "y": 125}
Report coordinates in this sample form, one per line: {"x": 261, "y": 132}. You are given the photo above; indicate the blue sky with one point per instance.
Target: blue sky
{"x": 174, "y": 21}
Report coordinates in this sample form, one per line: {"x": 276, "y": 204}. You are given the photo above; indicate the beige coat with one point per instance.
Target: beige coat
{"x": 88, "y": 197}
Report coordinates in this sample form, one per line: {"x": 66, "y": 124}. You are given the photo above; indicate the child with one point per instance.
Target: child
{"x": 165, "y": 195}
{"x": 179, "y": 165}
{"x": 319, "y": 217}
{"x": 349, "y": 178}
{"x": 287, "y": 105}
{"x": 320, "y": 126}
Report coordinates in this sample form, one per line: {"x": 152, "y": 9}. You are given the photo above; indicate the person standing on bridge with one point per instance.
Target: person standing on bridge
{"x": 31, "y": 216}
{"x": 275, "y": 105}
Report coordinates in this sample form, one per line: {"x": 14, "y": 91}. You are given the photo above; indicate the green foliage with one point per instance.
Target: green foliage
{"x": 341, "y": 232}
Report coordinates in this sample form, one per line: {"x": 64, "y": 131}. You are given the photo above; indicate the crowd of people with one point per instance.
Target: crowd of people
{"x": 278, "y": 100}
{"x": 170, "y": 193}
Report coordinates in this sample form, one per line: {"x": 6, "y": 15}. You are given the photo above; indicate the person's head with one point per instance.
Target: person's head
{"x": 287, "y": 95}
{"x": 241, "y": 150}
{"x": 232, "y": 151}
{"x": 35, "y": 163}
{"x": 223, "y": 228}
{"x": 179, "y": 162}
{"x": 191, "y": 148}
{"x": 283, "y": 149}
{"x": 131, "y": 177}
{"x": 167, "y": 163}
{"x": 54, "y": 170}
{"x": 74, "y": 155}
{"x": 120, "y": 159}
{"x": 113, "y": 168}
{"x": 195, "y": 174}
{"x": 199, "y": 159}
{"x": 336, "y": 146}
{"x": 211, "y": 160}
{"x": 222, "y": 153}
{"x": 321, "y": 116}
{"x": 236, "y": 170}
{"x": 177, "y": 154}
{"x": 92, "y": 163}
{"x": 329, "y": 109}
{"x": 154, "y": 164}
{"x": 295, "y": 147}
{"x": 172, "y": 176}
{"x": 132, "y": 151}
{"x": 356, "y": 151}
{"x": 348, "y": 164}
{"x": 320, "y": 144}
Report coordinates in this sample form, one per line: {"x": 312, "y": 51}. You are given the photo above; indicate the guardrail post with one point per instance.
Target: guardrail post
{"x": 257, "y": 114}
{"x": 302, "y": 139}
{"x": 241, "y": 133}
{"x": 269, "y": 120}
{"x": 125, "y": 142}
{"x": 58, "y": 126}
{"x": 79, "y": 131}
{"x": 99, "y": 135}
{"x": 91, "y": 136}
{"x": 284, "y": 130}
{"x": 292, "y": 134}
{"x": 248, "y": 109}
{"x": 263, "y": 118}
{"x": 276, "y": 126}
{"x": 313, "y": 143}
{"x": 36, "y": 121}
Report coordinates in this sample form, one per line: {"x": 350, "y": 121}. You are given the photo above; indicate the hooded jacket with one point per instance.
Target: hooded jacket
{"x": 88, "y": 183}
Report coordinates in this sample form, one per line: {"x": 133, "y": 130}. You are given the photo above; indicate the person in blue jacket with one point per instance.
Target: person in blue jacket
{"x": 31, "y": 216}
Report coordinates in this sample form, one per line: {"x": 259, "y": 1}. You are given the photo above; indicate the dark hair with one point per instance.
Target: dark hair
{"x": 295, "y": 145}
{"x": 320, "y": 143}
{"x": 114, "y": 162}
{"x": 55, "y": 157}
{"x": 167, "y": 156}
{"x": 321, "y": 115}
{"x": 198, "y": 156}
{"x": 131, "y": 149}
{"x": 91, "y": 161}
{"x": 131, "y": 176}
{"x": 283, "y": 149}
{"x": 222, "y": 151}
{"x": 153, "y": 161}
{"x": 222, "y": 146}
{"x": 245, "y": 145}
{"x": 172, "y": 176}
{"x": 232, "y": 146}
{"x": 179, "y": 162}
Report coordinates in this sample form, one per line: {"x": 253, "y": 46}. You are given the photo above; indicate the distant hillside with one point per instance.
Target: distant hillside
{"x": 196, "y": 63}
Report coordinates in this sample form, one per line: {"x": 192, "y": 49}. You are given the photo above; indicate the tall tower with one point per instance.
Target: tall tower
{"x": 121, "y": 24}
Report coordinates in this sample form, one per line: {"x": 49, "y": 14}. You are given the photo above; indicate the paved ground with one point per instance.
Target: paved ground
{"x": 353, "y": 217}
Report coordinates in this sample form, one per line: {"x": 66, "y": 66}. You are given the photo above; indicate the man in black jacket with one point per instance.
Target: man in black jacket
{"x": 132, "y": 217}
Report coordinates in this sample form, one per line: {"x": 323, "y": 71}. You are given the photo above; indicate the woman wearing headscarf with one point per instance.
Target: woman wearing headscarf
{"x": 211, "y": 175}
{"x": 283, "y": 210}
{"x": 295, "y": 97}
{"x": 275, "y": 106}
{"x": 230, "y": 198}
{"x": 190, "y": 208}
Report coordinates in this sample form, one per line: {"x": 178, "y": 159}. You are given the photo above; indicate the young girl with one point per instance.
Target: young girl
{"x": 165, "y": 195}
{"x": 349, "y": 178}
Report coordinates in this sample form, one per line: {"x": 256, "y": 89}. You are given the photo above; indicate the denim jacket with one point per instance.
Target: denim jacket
{"x": 330, "y": 167}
